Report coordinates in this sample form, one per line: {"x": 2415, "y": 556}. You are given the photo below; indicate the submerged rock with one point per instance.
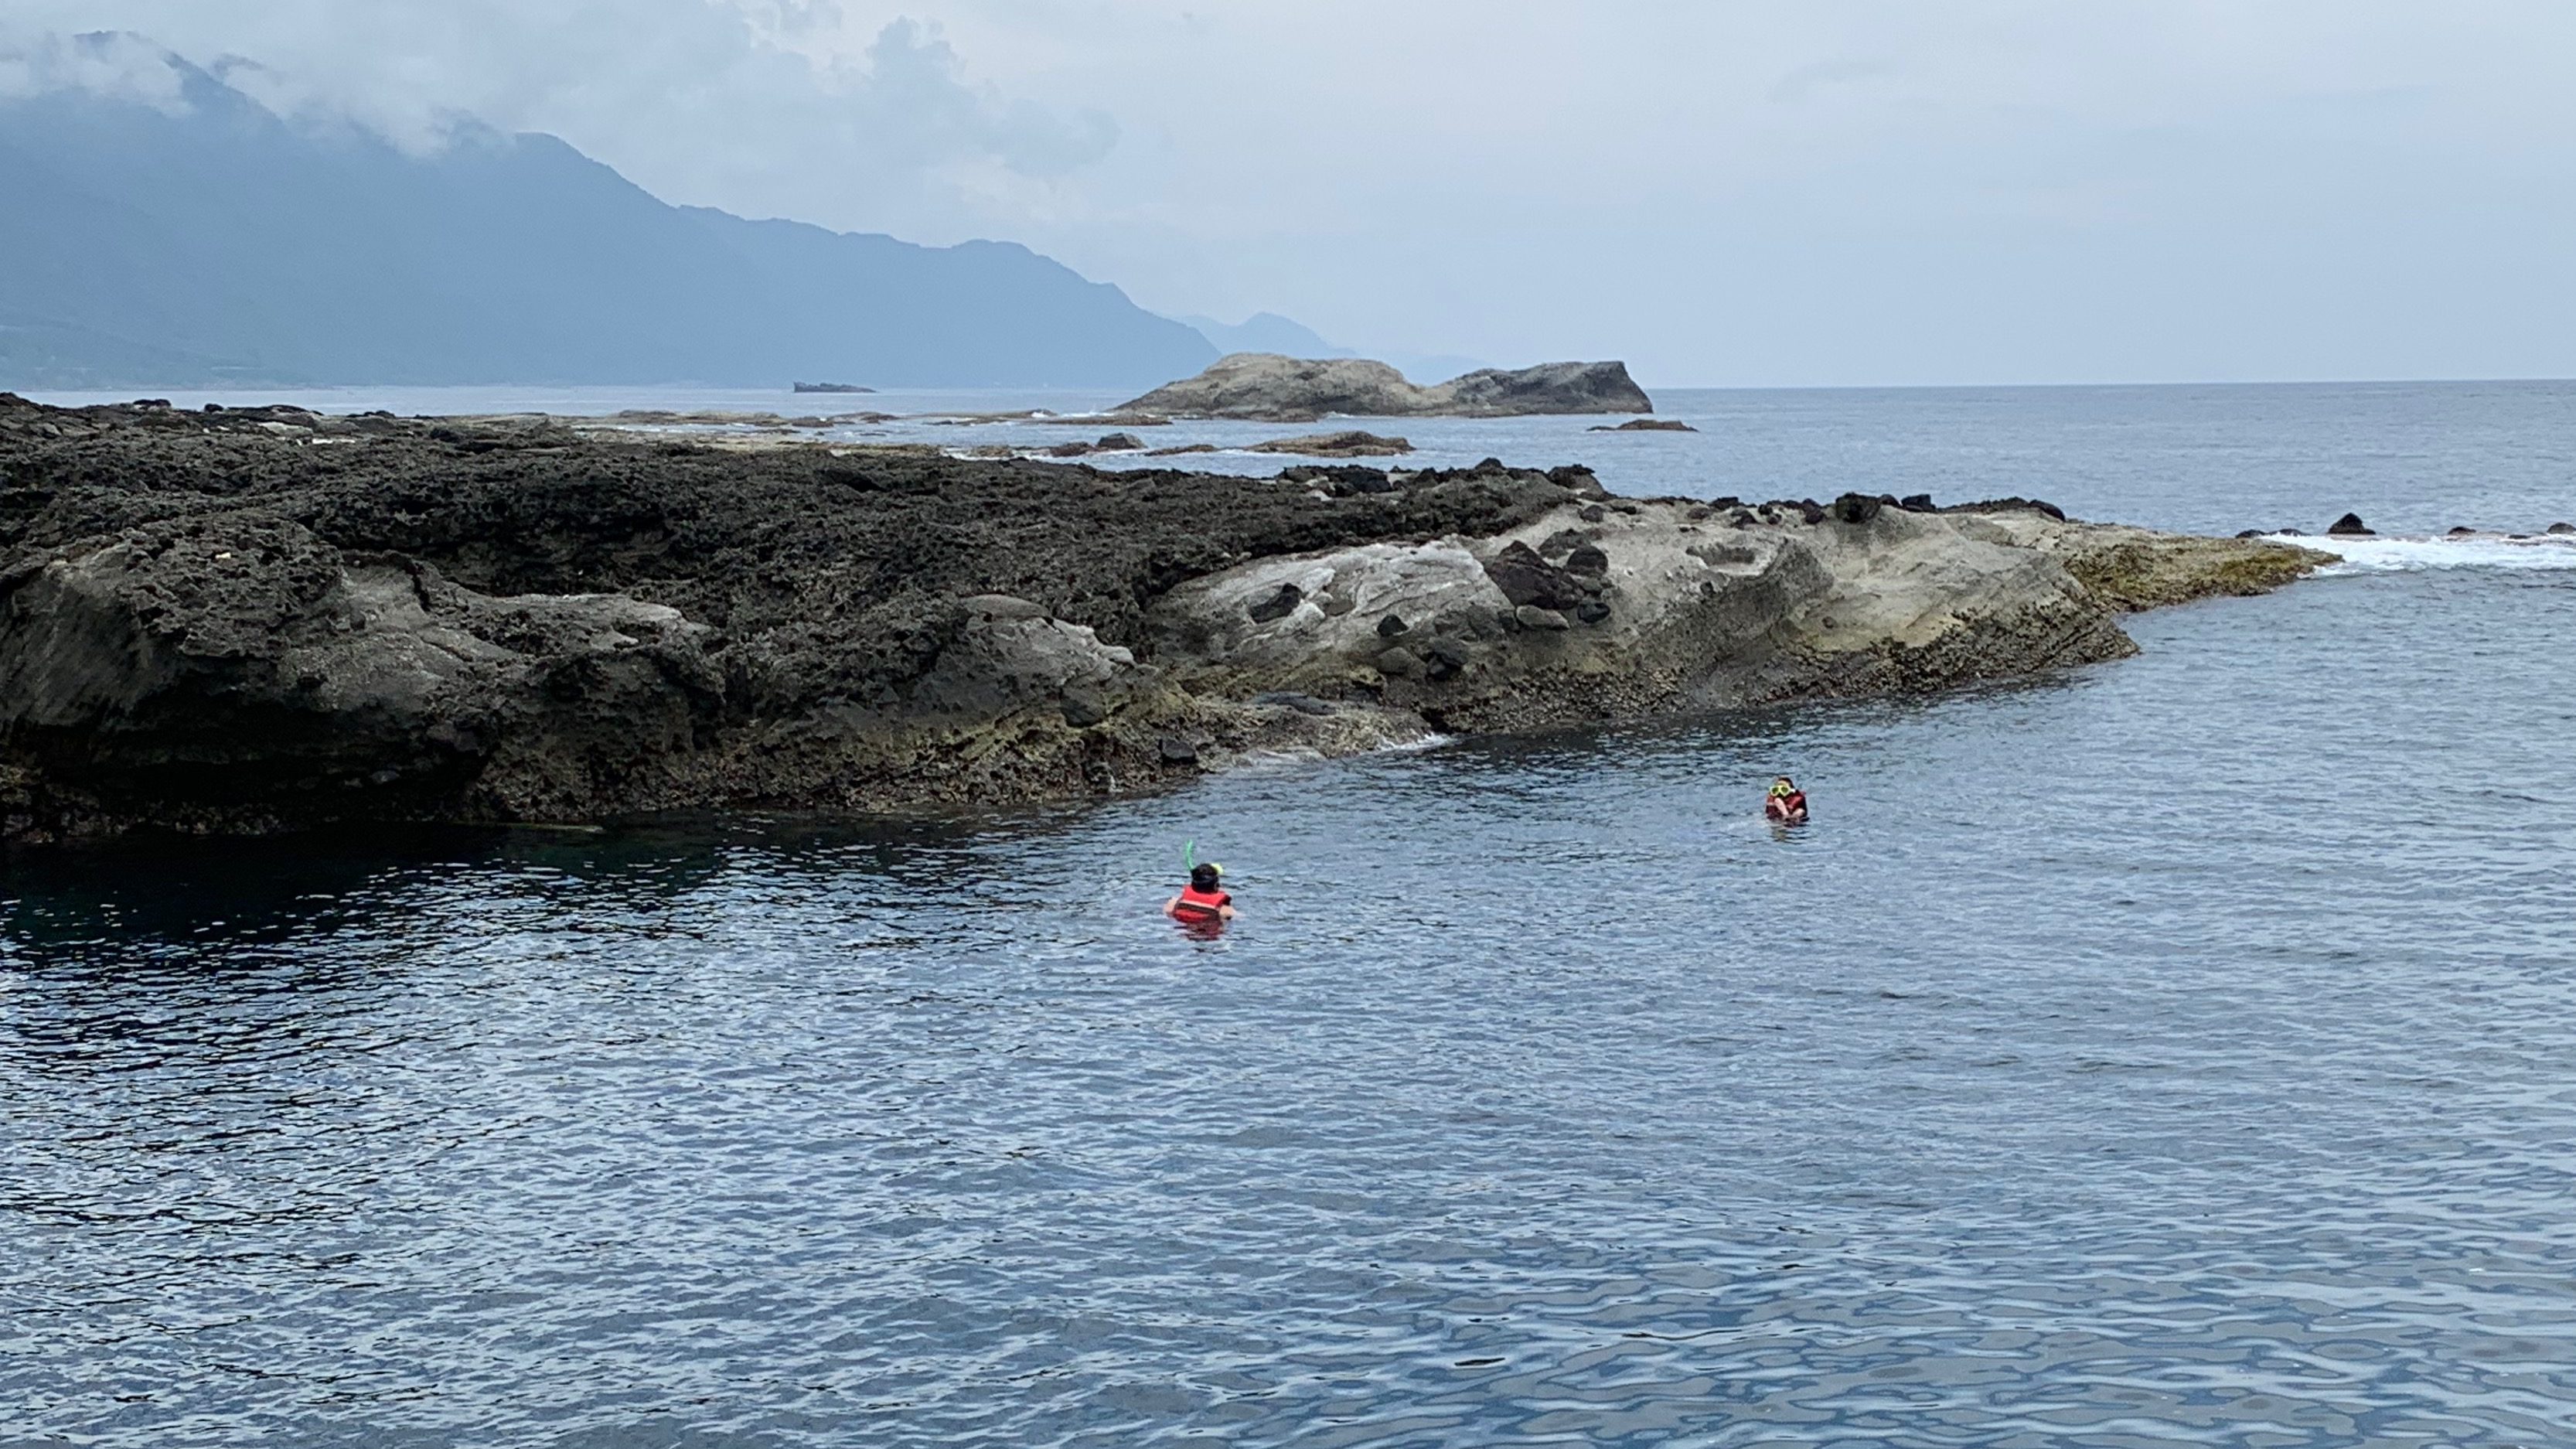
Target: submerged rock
{"x": 1107, "y": 443}
{"x": 1278, "y": 606}
{"x": 1335, "y": 445}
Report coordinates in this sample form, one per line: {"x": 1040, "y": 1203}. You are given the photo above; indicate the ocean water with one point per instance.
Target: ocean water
{"x": 2176, "y": 1051}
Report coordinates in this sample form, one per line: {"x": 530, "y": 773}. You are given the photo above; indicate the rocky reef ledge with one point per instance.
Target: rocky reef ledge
{"x": 262, "y": 619}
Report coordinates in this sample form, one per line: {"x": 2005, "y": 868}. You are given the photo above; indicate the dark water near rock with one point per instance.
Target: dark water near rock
{"x": 2177, "y": 1051}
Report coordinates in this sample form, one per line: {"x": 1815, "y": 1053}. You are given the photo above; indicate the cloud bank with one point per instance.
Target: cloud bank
{"x": 125, "y": 67}
{"x": 1849, "y": 191}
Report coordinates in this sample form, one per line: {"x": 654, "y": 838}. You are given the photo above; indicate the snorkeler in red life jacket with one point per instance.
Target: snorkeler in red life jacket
{"x": 1201, "y": 903}
{"x": 1786, "y": 803}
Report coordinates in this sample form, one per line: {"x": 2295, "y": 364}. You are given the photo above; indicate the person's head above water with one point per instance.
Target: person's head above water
{"x": 1205, "y": 876}
{"x": 1783, "y": 786}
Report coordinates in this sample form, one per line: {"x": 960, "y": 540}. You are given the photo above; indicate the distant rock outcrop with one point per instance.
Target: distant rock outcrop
{"x": 1335, "y": 445}
{"x": 1266, "y": 387}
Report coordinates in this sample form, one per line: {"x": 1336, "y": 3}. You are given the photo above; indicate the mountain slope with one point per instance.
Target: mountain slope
{"x": 1266, "y": 332}
{"x": 218, "y": 243}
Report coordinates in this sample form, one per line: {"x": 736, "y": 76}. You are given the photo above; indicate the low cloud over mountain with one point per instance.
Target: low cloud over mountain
{"x": 164, "y": 227}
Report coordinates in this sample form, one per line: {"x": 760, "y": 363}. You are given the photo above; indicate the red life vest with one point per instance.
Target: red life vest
{"x": 1196, "y": 902}
{"x": 1789, "y": 806}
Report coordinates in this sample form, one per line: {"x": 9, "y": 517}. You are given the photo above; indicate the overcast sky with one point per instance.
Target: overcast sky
{"x": 1826, "y": 191}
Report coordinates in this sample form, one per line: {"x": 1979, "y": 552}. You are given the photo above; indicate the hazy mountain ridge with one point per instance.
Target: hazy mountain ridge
{"x": 1270, "y": 332}
{"x": 215, "y": 242}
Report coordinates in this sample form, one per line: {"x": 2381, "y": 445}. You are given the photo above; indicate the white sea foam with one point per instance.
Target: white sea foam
{"x": 2414, "y": 555}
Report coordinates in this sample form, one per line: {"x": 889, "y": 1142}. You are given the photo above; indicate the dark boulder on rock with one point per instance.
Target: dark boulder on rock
{"x": 1390, "y": 626}
{"x": 1857, "y": 507}
{"x": 1525, "y": 578}
{"x": 2349, "y": 526}
{"x": 2562, "y": 528}
{"x": 1917, "y": 503}
{"x": 1278, "y": 606}
{"x": 1588, "y": 560}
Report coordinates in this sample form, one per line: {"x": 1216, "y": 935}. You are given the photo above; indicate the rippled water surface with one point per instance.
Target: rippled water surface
{"x": 2176, "y": 1051}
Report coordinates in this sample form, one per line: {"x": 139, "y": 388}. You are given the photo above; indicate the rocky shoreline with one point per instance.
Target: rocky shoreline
{"x": 267, "y": 619}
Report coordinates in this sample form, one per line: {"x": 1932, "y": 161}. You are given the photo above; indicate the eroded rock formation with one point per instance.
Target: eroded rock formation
{"x": 264, "y": 619}
{"x": 1267, "y": 387}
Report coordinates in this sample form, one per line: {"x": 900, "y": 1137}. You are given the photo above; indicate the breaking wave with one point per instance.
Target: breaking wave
{"x": 2416, "y": 555}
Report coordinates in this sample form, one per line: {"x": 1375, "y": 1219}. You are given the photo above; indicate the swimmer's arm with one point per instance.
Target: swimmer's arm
{"x": 1172, "y": 908}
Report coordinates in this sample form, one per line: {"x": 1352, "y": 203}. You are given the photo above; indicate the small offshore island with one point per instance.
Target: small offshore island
{"x": 259, "y": 619}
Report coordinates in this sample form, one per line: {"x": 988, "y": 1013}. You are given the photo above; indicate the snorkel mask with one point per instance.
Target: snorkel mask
{"x": 1190, "y": 861}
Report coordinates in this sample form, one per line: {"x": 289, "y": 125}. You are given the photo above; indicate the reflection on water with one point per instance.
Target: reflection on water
{"x": 2177, "y": 1051}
